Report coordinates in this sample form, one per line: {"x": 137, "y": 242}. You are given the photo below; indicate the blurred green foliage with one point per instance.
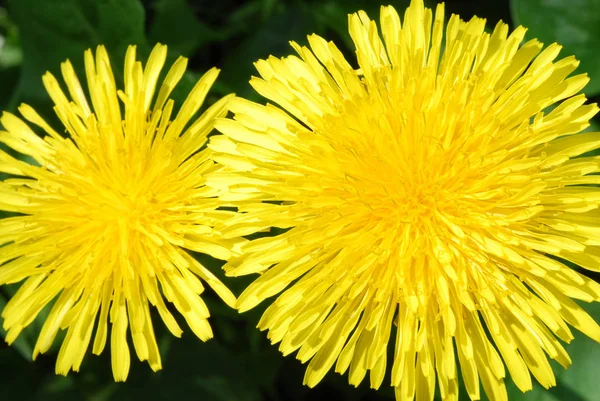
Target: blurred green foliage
{"x": 239, "y": 364}
{"x": 573, "y": 24}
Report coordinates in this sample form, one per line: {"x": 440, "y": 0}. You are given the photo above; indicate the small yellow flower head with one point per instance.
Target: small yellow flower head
{"x": 105, "y": 215}
{"x": 434, "y": 189}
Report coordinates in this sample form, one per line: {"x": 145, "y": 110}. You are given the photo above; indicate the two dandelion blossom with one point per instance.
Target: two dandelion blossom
{"x": 432, "y": 200}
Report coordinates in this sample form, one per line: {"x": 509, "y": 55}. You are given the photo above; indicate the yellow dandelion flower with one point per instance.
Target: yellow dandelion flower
{"x": 104, "y": 217}
{"x": 433, "y": 189}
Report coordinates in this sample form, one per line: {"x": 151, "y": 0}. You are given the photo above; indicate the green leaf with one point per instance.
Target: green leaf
{"x": 8, "y": 38}
{"x": 190, "y": 34}
{"x": 11, "y": 57}
{"x": 211, "y": 370}
{"x": 270, "y": 38}
{"x": 19, "y": 378}
{"x": 574, "y": 24}
{"x": 52, "y": 31}
{"x": 9, "y": 78}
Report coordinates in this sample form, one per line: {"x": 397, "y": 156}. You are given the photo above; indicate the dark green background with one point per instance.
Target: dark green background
{"x": 239, "y": 364}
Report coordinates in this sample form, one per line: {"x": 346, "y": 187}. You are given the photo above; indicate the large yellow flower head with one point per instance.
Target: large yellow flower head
{"x": 433, "y": 189}
{"x": 104, "y": 216}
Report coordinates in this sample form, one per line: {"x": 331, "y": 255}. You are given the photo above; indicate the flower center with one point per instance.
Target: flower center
{"x": 131, "y": 206}
{"x": 419, "y": 204}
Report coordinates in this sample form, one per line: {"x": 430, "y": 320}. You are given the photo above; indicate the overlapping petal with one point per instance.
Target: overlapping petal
{"x": 104, "y": 217}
